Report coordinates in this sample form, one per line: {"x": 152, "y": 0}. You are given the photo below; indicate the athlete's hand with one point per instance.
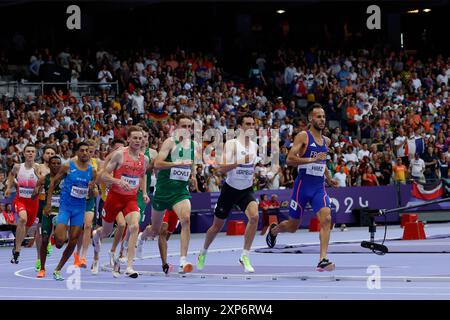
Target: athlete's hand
{"x": 334, "y": 183}
{"x": 146, "y": 198}
{"x": 7, "y": 193}
{"x": 123, "y": 185}
{"x": 322, "y": 156}
{"x": 185, "y": 163}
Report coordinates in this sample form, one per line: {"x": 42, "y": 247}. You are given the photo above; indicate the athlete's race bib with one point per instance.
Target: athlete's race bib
{"x": 55, "y": 201}
{"x": 79, "y": 192}
{"x": 132, "y": 181}
{"x": 25, "y": 192}
{"x": 180, "y": 174}
{"x": 244, "y": 173}
{"x": 315, "y": 169}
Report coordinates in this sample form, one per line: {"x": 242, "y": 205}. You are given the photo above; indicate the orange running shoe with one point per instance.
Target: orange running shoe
{"x": 41, "y": 274}
{"x": 82, "y": 263}
{"x": 77, "y": 261}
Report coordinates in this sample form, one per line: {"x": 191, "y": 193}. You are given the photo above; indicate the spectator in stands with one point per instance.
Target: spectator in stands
{"x": 430, "y": 160}
{"x": 369, "y": 178}
{"x": 342, "y": 178}
{"x": 399, "y": 171}
{"x": 417, "y": 169}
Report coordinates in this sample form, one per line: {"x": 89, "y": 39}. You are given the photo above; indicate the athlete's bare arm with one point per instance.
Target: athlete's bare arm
{"x": 38, "y": 187}
{"x": 166, "y": 148}
{"x": 63, "y": 171}
{"x": 153, "y": 156}
{"x": 294, "y": 156}
{"x": 11, "y": 177}
{"x": 115, "y": 162}
{"x": 229, "y": 159}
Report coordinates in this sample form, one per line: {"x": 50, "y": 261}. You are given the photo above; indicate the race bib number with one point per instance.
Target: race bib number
{"x": 133, "y": 182}
{"x": 79, "y": 192}
{"x": 25, "y": 192}
{"x": 315, "y": 169}
{"x": 180, "y": 174}
{"x": 55, "y": 201}
{"x": 244, "y": 173}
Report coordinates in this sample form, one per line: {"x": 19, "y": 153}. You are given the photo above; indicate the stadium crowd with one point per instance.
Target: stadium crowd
{"x": 388, "y": 112}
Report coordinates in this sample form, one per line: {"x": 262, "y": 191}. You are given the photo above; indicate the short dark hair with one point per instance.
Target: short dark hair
{"x": 240, "y": 119}
{"x": 80, "y": 144}
{"x": 133, "y": 129}
{"x": 183, "y": 116}
{"x": 50, "y": 147}
{"x": 118, "y": 140}
{"x": 30, "y": 145}
{"x": 314, "y": 106}
{"x": 54, "y": 158}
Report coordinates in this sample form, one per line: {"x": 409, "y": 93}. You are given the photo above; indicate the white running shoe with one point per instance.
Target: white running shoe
{"x": 131, "y": 273}
{"x": 96, "y": 242}
{"x": 139, "y": 246}
{"x": 185, "y": 267}
{"x": 94, "y": 268}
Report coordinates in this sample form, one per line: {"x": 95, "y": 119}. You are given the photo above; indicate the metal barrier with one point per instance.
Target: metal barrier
{"x": 24, "y": 89}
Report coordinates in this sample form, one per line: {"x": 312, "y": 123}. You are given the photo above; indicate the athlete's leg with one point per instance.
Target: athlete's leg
{"x": 132, "y": 220}
{"x": 324, "y": 216}
{"x": 87, "y": 232}
{"x": 38, "y": 238}
{"x": 21, "y": 229}
{"x": 183, "y": 211}
{"x": 253, "y": 217}
{"x": 162, "y": 242}
{"x": 212, "y": 232}
{"x": 74, "y": 233}
{"x": 121, "y": 224}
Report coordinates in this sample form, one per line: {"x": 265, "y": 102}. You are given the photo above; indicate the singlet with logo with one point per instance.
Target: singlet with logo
{"x": 131, "y": 172}
{"x": 95, "y": 167}
{"x": 313, "y": 172}
{"x": 26, "y": 182}
{"x": 242, "y": 176}
{"x": 175, "y": 179}
{"x": 76, "y": 185}
{"x": 56, "y": 196}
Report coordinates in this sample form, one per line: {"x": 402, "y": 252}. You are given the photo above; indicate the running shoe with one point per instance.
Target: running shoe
{"x": 140, "y": 246}
{"x": 41, "y": 274}
{"x": 131, "y": 273}
{"x": 57, "y": 276}
{"x": 123, "y": 259}
{"x": 15, "y": 256}
{"x": 96, "y": 242}
{"x": 271, "y": 240}
{"x": 94, "y": 267}
{"x": 167, "y": 268}
{"x": 185, "y": 267}
{"x": 201, "y": 261}
{"x": 83, "y": 263}
{"x": 245, "y": 262}
{"x": 325, "y": 265}
{"x": 49, "y": 249}
{"x": 76, "y": 261}
{"x": 37, "y": 266}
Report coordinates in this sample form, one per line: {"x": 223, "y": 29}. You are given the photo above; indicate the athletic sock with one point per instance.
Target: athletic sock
{"x": 245, "y": 253}
{"x": 182, "y": 260}
{"x": 204, "y": 251}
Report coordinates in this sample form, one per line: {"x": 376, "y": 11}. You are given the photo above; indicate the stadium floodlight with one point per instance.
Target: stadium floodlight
{"x": 281, "y": 11}
{"x": 413, "y": 11}
{"x": 426, "y": 10}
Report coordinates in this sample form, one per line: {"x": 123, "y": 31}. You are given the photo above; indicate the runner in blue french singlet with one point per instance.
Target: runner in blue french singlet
{"x": 310, "y": 183}
{"x": 73, "y": 195}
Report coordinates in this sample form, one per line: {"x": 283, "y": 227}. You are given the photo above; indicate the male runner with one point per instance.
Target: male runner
{"x": 44, "y": 169}
{"x": 83, "y": 241}
{"x": 47, "y": 219}
{"x": 79, "y": 179}
{"x": 309, "y": 153}
{"x": 175, "y": 163}
{"x": 124, "y": 172}
{"x": 239, "y": 160}
{"x": 27, "y": 175}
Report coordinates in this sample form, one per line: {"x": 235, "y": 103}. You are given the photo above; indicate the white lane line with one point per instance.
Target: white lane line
{"x": 365, "y": 292}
